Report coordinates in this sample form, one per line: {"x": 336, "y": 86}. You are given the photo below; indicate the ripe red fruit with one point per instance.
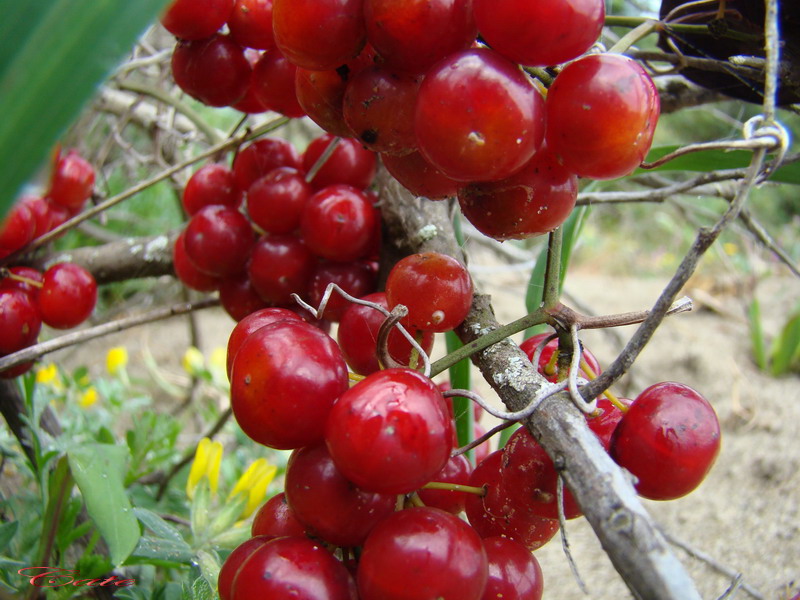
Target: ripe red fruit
{"x": 604, "y": 424}
{"x": 497, "y": 514}
{"x": 457, "y": 470}
{"x": 419, "y": 176}
{"x": 422, "y": 553}
{"x": 285, "y": 378}
{"x": 212, "y": 70}
{"x": 68, "y": 295}
{"x": 280, "y": 265}
{"x": 532, "y": 202}
{"x": 196, "y": 19}
{"x": 542, "y": 33}
{"x": 40, "y": 209}
{"x": 669, "y": 438}
{"x": 275, "y": 202}
{"x": 390, "y": 433}
{"x": 292, "y": 568}
{"x": 187, "y": 271}
{"x": 436, "y": 289}
{"x": 218, "y": 240}
{"x": 358, "y": 334}
{"x": 514, "y": 572}
{"x": 602, "y": 111}
{"x": 72, "y": 181}
{"x": 413, "y": 34}
{"x": 327, "y": 503}
{"x": 319, "y": 34}
{"x": 276, "y": 519}
{"x": 250, "y": 24}
{"x": 17, "y": 229}
{"x": 349, "y": 164}
{"x": 546, "y": 366}
{"x": 29, "y": 274}
{"x": 262, "y": 156}
{"x": 354, "y": 278}
{"x": 238, "y": 296}
{"x": 338, "y": 223}
{"x": 210, "y": 184}
{"x": 20, "y": 321}
{"x": 378, "y": 107}
{"x": 231, "y": 565}
{"x": 273, "y": 84}
{"x": 251, "y": 323}
{"x": 478, "y": 116}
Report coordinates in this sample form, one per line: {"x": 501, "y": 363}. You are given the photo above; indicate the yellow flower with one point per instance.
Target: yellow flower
{"x": 219, "y": 359}
{"x": 207, "y": 459}
{"x": 88, "y": 398}
{"x": 254, "y": 483}
{"x": 116, "y": 359}
{"x": 193, "y": 360}
{"x": 730, "y": 248}
{"x": 48, "y": 375}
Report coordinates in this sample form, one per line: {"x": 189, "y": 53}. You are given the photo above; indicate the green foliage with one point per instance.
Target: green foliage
{"x": 783, "y": 355}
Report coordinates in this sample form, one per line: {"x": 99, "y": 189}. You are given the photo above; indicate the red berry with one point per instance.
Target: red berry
{"x": 669, "y": 438}
{"x": 419, "y": 176}
{"x": 196, "y": 19}
{"x": 238, "y": 296}
{"x": 350, "y": 163}
{"x": 354, "y": 278}
{"x": 478, "y": 116}
{"x": 602, "y": 111}
{"x": 187, "y": 271}
{"x": 514, "y": 572}
{"x": 390, "y": 433}
{"x": 276, "y": 519}
{"x": 250, "y": 24}
{"x": 285, "y": 378}
{"x": 72, "y": 181}
{"x": 40, "y": 209}
{"x": 604, "y": 424}
{"x": 231, "y": 565}
{"x": 319, "y": 34}
{"x": 292, "y": 568}
{"x": 17, "y": 229}
{"x": 547, "y": 365}
{"x": 436, "y": 289}
{"x": 422, "y": 553}
{"x": 280, "y": 265}
{"x": 20, "y": 321}
{"x": 532, "y": 202}
{"x": 262, "y": 156}
{"x": 541, "y": 33}
{"x": 212, "y": 70}
{"x": 68, "y": 295}
{"x": 327, "y": 503}
{"x": 358, "y": 333}
{"x": 273, "y": 84}
{"x": 251, "y": 323}
{"x": 338, "y": 223}
{"x": 218, "y": 240}
{"x": 411, "y": 35}
{"x": 379, "y": 109}
{"x": 276, "y": 201}
{"x": 456, "y": 470}
{"x": 210, "y": 184}
{"x": 8, "y": 283}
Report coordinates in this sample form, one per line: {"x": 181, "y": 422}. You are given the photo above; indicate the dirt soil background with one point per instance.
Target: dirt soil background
{"x": 746, "y": 515}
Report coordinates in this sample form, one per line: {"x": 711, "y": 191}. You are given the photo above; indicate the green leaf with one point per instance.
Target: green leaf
{"x": 7, "y": 532}
{"x": 151, "y": 549}
{"x": 786, "y": 346}
{"x": 59, "y": 488}
{"x": 462, "y": 407}
{"x": 757, "y": 335}
{"x": 157, "y": 525}
{"x": 99, "y": 470}
{"x": 53, "y": 56}
{"x": 712, "y": 160}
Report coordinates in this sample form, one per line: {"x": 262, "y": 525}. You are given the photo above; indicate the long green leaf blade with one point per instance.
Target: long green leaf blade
{"x": 99, "y": 471}
{"x": 757, "y": 335}
{"x": 53, "y": 56}
{"x": 785, "y": 347}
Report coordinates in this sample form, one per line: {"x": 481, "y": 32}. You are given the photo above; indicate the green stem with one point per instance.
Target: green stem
{"x": 552, "y": 274}
{"x": 454, "y": 487}
{"x": 537, "y": 317}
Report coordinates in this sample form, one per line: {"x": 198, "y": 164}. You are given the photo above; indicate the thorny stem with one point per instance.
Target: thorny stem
{"x": 77, "y": 337}
{"x": 99, "y": 208}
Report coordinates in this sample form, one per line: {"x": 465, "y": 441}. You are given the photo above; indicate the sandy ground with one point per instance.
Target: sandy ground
{"x": 746, "y": 515}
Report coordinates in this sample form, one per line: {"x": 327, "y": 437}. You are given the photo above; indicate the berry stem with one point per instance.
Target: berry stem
{"x": 6, "y": 273}
{"x": 591, "y": 376}
{"x": 323, "y": 158}
{"x": 454, "y": 487}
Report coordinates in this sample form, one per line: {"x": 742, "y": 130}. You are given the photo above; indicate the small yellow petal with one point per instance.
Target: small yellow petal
{"x": 47, "y": 375}
{"x": 116, "y": 359}
{"x": 88, "y": 398}
{"x": 258, "y": 492}
{"x": 193, "y": 360}
{"x": 219, "y": 358}
{"x": 248, "y": 478}
{"x": 730, "y": 248}
{"x": 214, "y": 461}
{"x": 199, "y": 466}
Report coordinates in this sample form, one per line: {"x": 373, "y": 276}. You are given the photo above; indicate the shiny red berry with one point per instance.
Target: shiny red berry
{"x": 68, "y": 295}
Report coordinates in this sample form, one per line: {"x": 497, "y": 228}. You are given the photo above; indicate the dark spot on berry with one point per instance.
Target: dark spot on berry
{"x": 369, "y": 136}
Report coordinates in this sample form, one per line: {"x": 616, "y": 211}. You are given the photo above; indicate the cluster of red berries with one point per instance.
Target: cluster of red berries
{"x": 450, "y": 113}
{"x": 65, "y": 294}
{"x": 71, "y": 185}
{"x": 303, "y": 232}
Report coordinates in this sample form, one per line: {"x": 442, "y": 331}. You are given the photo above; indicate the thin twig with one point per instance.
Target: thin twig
{"x": 763, "y": 236}
{"x": 78, "y": 337}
